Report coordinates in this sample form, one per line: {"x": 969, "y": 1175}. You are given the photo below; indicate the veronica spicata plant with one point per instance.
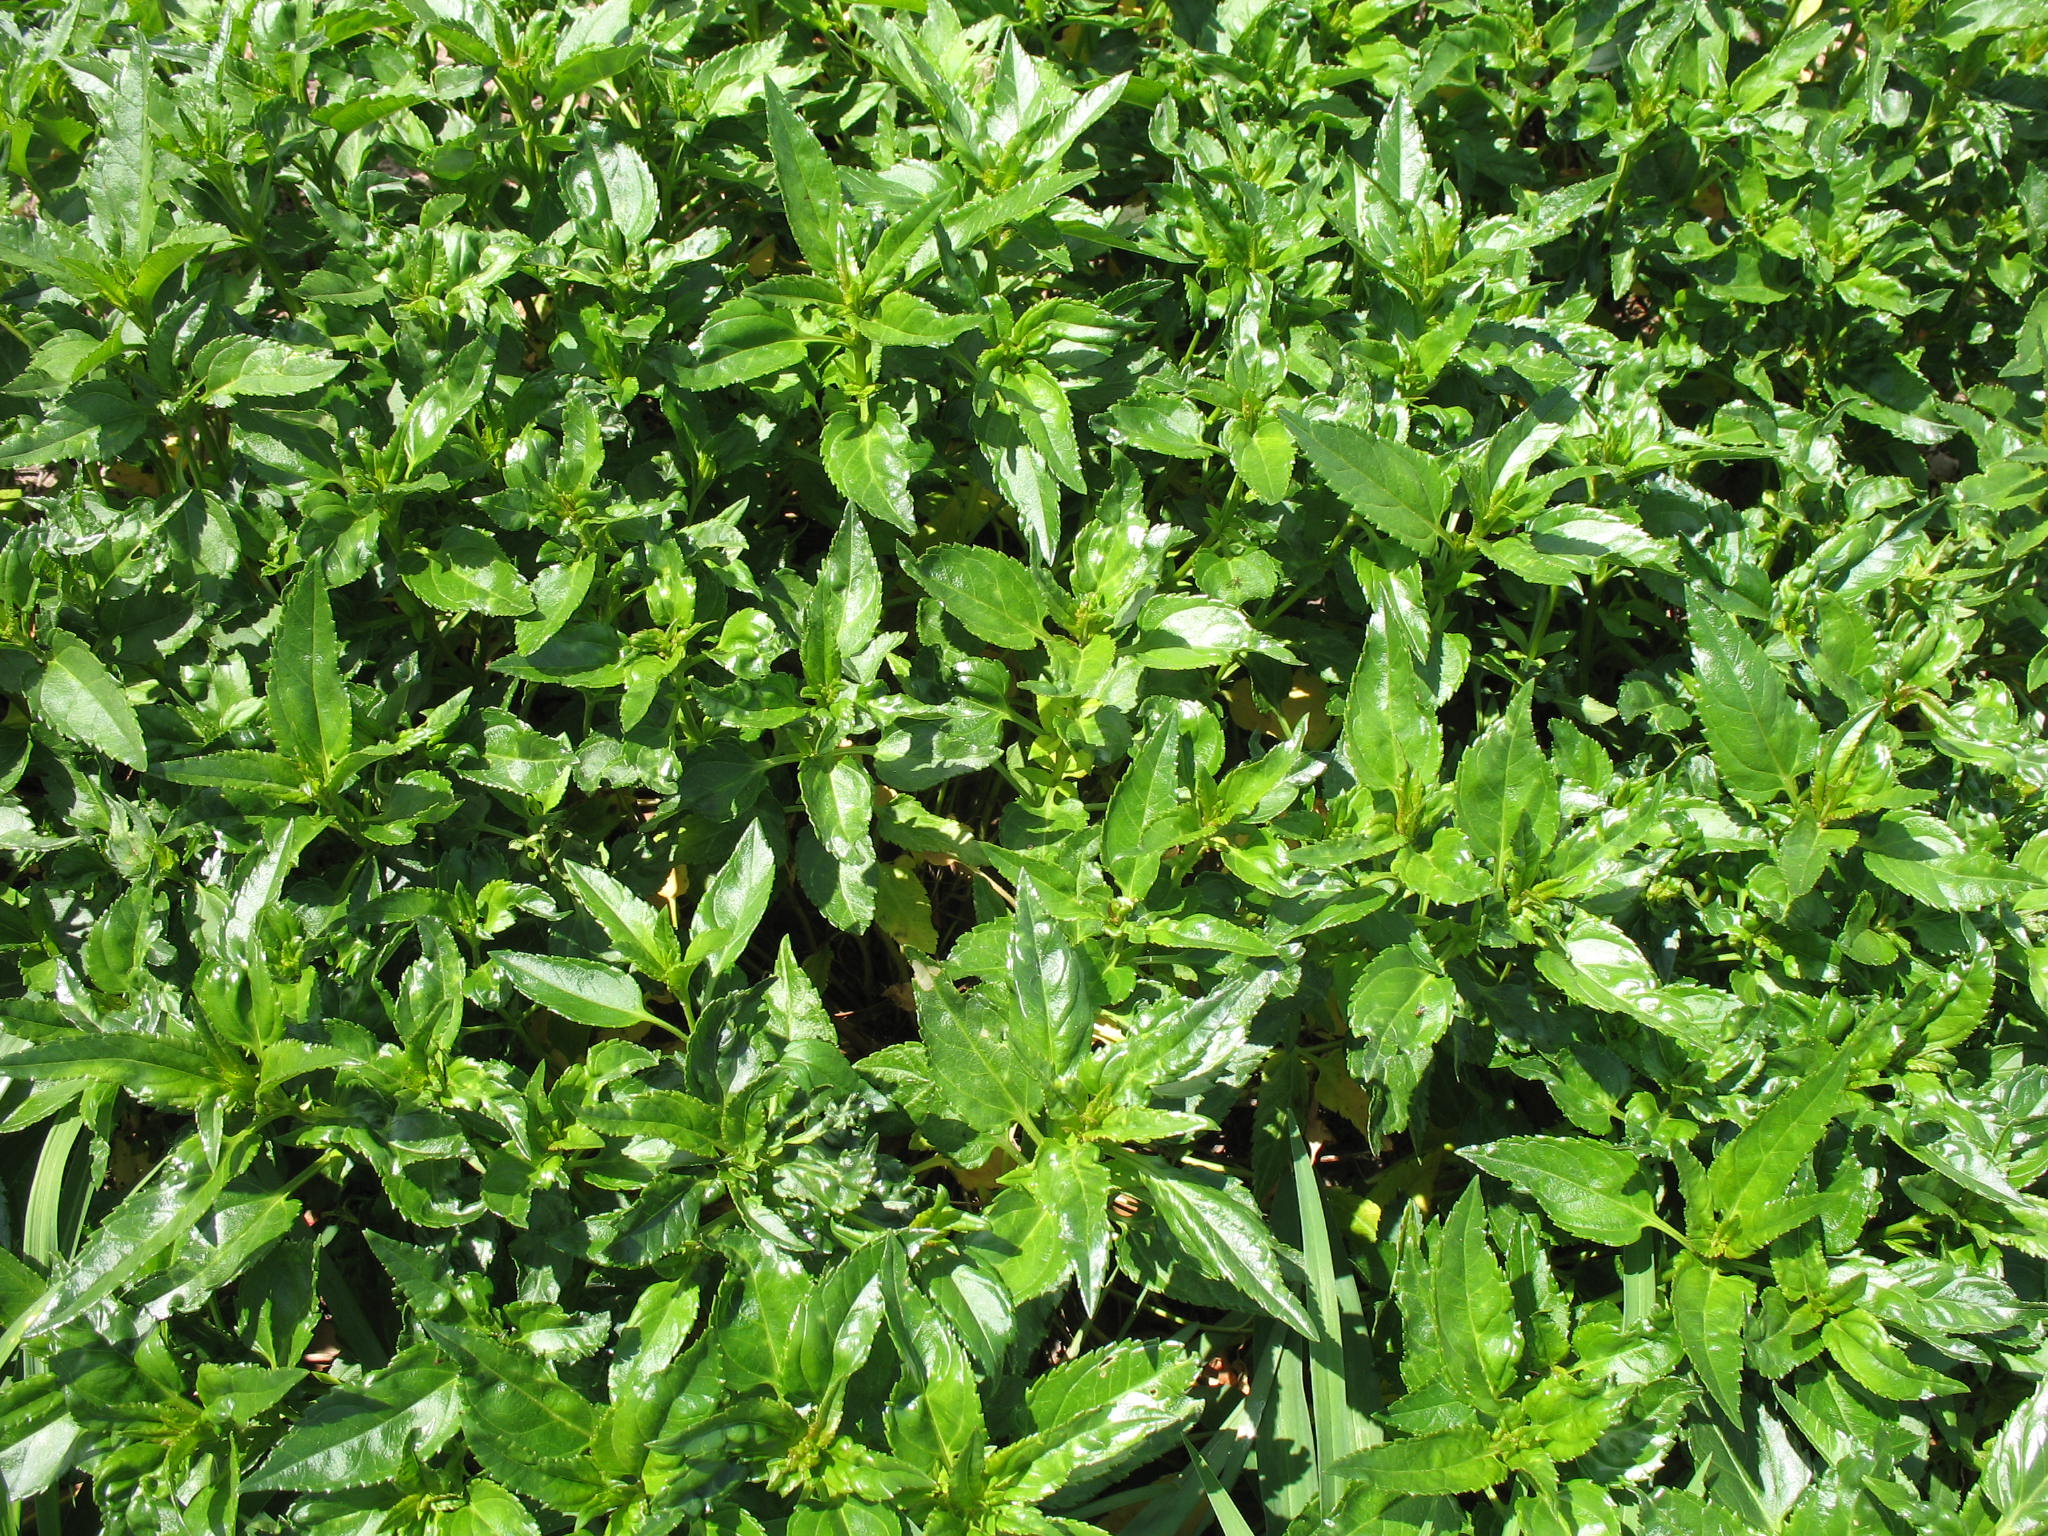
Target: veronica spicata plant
{"x": 982, "y": 769}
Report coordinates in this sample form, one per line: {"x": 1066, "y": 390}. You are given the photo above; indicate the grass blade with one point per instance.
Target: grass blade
{"x": 1229, "y": 1519}
{"x": 1337, "y": 1428}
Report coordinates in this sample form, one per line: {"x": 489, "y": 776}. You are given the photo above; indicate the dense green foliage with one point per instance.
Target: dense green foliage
{"x": 1113, "y": 767}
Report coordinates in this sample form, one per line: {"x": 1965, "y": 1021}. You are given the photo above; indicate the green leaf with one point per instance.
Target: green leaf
{"x": 93, "y": 423}
{"x": 156, "y": 1070}
{"x": 1749, "y": 1176}
{"x": 904, "y": 320}
{"x": 1262, "y": 453}
{"x": 39, "y": 1435}
{"x": 839, "y": 797}
{"x": 1340, "y": 1430}
{"x": 529, "y": 1429}
{"x": 1141, "y": 806}
{"x": 260, "y": 773}
{"x": 845, "y": 609}
{"x": 1922, "y": 856}
{"x": 744, "y": 339}
{"x": 1093, "y": 1444}
{"x": 362, "y": 1436}
{"x": 597, "y": 29}
{"x": 1597, "y": 964}
{"x": 1159, "y": 424}
{"x": 994, "y": 598}
{"x": 1398, "y": 1009}
{"x": 78, "y": 697}
{"x": 610, "y": 184}
{"x": 1397, "y": 489}
{"x": 310, "y": 716}
{"x": 1182, "y": 633}
{"x": 868, "y": 459}
{"x": 1391, "y": 736}
{"x": 1708, "y": 1308}
{"x": 1505, "y": 784}
{"x": 974, "y": 1067}
{"x": 152, "y": 1221}
{"x": 1071, "y": 1184}
{"x": 1054, "y": 988}
{"x": 1805, "y": 851}
{"x": 2016, "y": 1471}
{"x": 582, "y": 991}
{"x": 1032, "y": 1257}
{"x": 1448, "y": 1461}
{"x": 1763, "y": 740}
{"x": 1474, "y": 1309}
{"x": 1215, "y": 1224}
{"x": 467, "y": 572}
{"x": 1400, "y": 164}
{"x": 811, "y": 197}
{"x": 247, "y": 367}
{"x": 1592, "y": 1189}
{"x": 734, "y": 902}
{"x": 122, "y": 180}
{"x": 1864, "y": 1348}
{"x": 445, "y": 403}
{"x": 941, "y": 1427}
{"x": 638, "y": 928}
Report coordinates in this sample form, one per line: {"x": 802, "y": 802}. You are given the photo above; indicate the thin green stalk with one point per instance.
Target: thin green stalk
{"x": 42, "y": 1236}
{"x": 1336, "y": 1427}
{"x": 1229, "y": 1518}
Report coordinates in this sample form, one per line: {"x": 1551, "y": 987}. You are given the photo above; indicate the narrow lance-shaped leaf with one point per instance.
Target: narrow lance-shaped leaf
{"x": 78, "y": 697}
{"x": 1864, "y": 1347}
{"x": 1592, "y": 1189}
{"x": 1447, "y": 1461}
{"x": 1391, "y": 735}
{"x": 1762, "y": 739}
{"x": 839, "y": 798}
{"x": 1181, "y": 1055}
{"x": 1141, "y": 804}
{"x": 1751, "y": 1173}
{"x": 307, "y": 698}
{"x": 1708, "y": 1308}
{"x": 157, "y": 1216}
{"x": 638, "y": 929}
{"x": 1339, "y": 1431}
{"x": 1397, "y": 489}
{"x": 244, "y": 367}
{"x": 358, "y": 1437}
{"x": 1053, "y": 986}
{"x": 733, "y": 903}
{"x": 811, "y": 197}
{"x": 845, "y": 609}
{"x": 122, "y": 182}
{"x": 1400, "y": 160}
{"x": 174, "y": 1073}
{"x": 584, "y": 991}
{"x": 1219, "y": 1229}
{"x": 1071, "y": 1182}
{"x": 1504, "y": 784}
{"x": 1475, "y": 1311}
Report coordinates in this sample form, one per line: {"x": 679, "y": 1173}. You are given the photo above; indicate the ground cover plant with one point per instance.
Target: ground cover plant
{"x": 805, "y": 770}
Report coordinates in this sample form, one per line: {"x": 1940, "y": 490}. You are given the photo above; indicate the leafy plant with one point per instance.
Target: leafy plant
{"x": 1010, "y": 771}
